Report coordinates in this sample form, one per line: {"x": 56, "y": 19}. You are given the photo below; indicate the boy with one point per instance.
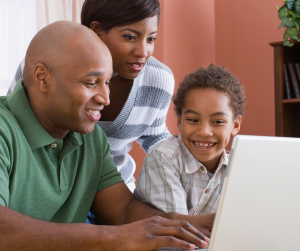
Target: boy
{"x": 185, "y": 173}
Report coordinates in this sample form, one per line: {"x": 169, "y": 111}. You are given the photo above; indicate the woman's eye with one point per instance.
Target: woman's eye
{"x": 151, "y": 39}
{"x": 128, "y": 37}
{"x": 193, "y": 120}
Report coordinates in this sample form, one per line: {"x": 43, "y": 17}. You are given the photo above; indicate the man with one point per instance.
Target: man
{"x": 55, "y": 163}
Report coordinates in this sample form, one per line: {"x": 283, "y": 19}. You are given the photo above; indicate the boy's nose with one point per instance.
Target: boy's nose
{"x": 204, "y": 130}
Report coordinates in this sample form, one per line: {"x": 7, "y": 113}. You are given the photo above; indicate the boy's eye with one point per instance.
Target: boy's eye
{"x": 219, "y": 122}
{"x": 129, "y": 37}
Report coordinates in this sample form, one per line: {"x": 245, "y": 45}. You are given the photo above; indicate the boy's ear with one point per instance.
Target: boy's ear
{"x": 41, "y": 77}
{"x": 236, "y": 125}
{"x": 179, "y": 123}
{"x": 97, "y": 28}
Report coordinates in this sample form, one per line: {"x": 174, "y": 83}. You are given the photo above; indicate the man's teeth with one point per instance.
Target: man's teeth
{"x": 136, "y": 65}
{"x": 204, "y": 144}
{"x": 94, "y": 112}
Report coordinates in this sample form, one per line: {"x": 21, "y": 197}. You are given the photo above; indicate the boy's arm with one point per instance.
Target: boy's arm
{"x": 159, "y": 184}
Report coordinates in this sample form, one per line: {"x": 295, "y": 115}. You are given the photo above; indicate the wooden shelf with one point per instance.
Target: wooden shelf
{"x": 292, "y": 100}
{"x": 287, "y": 111}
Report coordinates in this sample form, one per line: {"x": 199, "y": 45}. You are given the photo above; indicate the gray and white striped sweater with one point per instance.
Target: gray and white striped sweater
{"x": 142, "y": 117}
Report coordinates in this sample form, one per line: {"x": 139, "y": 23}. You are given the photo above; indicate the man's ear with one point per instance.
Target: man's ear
{"x": 236, "y": 125}
{"x": 97, "y": 28}
{"x": 41, "y": 77}
{"x": 179, "y": 123}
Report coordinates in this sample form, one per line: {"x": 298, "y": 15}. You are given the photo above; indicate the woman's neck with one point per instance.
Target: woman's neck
{"x": 119, "y": 91}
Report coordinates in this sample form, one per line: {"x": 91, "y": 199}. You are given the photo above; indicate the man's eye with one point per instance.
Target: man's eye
{"x": 90, "y": 84}
{"x": 107, "y": 82}
{"x": 129, "y": 37}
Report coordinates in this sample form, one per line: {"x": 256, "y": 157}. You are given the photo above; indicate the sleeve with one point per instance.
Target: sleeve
{"x": 147, "y": 142}
{"x": 18, "y": 75}
{"x": 158, "y": 130}
{"x": 159, "y": 184}
{"x": 4, "y": 174}
{"x": 109, "y": 174}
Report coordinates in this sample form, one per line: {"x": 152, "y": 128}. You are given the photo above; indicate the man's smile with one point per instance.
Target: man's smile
{"x": 95, "y": 115}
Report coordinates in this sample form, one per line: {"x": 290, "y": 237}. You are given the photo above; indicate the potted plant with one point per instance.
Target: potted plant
{"x": 289, "y": 14}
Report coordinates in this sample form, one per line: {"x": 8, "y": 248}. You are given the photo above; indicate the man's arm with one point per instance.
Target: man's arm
{"x": 20, "y": 232}
{"x": 116, "y": 205}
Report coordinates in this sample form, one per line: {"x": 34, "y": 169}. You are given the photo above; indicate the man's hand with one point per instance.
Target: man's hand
{"x": 157, "y": 232}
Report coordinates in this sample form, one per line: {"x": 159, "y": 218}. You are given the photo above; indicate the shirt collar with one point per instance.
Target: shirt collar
{"x": 34, "y": 132}
{"x": 194, "y": 164}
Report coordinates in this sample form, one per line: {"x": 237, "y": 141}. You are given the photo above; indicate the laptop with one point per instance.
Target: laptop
{"x": 260, "y": 202}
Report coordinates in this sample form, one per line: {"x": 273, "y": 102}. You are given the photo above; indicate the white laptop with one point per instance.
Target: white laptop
{"x": 259, "y": 208}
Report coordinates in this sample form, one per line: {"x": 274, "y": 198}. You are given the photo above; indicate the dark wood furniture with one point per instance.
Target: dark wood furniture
{"x": 287, "y": 111}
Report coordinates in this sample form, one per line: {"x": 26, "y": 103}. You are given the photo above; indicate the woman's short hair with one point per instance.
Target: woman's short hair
{"x": 110, "y": 13}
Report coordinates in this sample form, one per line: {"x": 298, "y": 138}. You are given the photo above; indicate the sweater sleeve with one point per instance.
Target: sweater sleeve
{"x": 18, "y": 75}
{"x": 147, "y": 142}
{"x": 160, "y": 88}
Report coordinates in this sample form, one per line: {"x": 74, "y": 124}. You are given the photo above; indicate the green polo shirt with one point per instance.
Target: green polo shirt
{"x": 46, "y": 178}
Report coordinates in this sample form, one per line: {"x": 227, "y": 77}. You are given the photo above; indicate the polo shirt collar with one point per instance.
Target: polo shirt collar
{"x": 34, "y": 132}
{"x": 194, "y": 164}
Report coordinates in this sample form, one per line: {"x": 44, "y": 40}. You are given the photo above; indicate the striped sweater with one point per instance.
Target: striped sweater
{"x": 142, "y": 117}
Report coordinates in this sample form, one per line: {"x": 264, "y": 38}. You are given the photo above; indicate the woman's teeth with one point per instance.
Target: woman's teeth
{"x": 94, "y": 112}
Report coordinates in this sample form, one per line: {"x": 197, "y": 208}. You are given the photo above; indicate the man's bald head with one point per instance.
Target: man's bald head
{"x": 60, "y": 43}
{"x": 66, "y": 75}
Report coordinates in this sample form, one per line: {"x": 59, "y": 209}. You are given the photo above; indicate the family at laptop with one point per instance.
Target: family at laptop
{"x": 56, "y": 164}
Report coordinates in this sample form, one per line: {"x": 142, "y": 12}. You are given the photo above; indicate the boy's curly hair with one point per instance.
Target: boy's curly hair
{"x": 216, "y": 77}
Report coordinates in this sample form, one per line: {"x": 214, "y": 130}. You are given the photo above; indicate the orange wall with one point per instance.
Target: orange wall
{"x": 232, "y": 33}
{"x": 244, "y": 30}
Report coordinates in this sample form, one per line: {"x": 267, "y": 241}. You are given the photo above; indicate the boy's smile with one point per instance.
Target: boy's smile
{"x": 206, "y": 124}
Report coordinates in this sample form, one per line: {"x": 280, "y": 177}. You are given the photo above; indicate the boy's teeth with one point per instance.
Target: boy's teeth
{"x": 204, "y": 144}
{"x": 94, "y": 112}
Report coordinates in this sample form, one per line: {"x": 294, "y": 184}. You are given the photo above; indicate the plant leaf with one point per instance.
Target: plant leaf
{"x": 287, "y": 43}
{"x": 297, "y": 6}
{"x": 281, "y": 25}
{"x": 291, "y": 32}
{"x": 288, "y": 22}
{"x": 292, "y": 14}
{"x": 285, "y": 37}
{"x": 283, "y": 12}
{"x": 291, "y": 4}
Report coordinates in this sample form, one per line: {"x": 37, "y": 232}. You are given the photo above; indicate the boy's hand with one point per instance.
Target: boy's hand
{"x": 204, "y": 223}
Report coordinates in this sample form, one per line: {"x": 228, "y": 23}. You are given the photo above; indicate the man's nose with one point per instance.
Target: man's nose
{"x": 102, "y": 95}
{"x": 141, "y": 50}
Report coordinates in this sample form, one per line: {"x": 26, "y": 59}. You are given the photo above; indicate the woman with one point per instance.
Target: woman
{"x": 141, "y": 87}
